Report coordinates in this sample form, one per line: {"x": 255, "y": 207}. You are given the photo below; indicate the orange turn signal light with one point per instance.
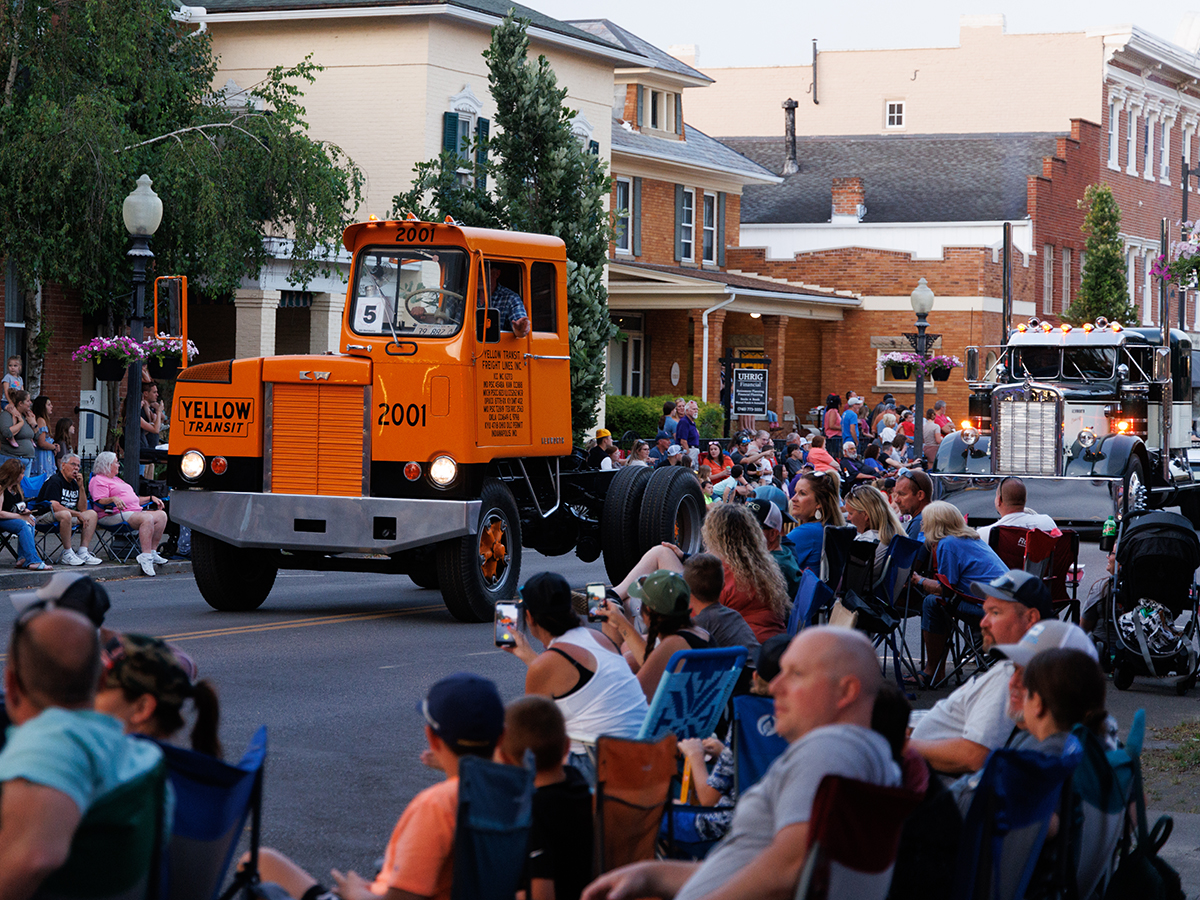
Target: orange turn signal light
{"x": 1116, "y": 326}
{"x": 412, "y": 471}
{"x": 1123, "y": 426}
{"x": 1022, "y": 328}
{"x": 1065, "y": 328}
{"x": 1088, "y": 327}
{"x": 218, "y": 465}
{"x": 1046, "y": 327}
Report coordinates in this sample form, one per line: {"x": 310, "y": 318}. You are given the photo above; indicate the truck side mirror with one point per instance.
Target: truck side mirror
{"x": 487, "y": 326}
{"x": 972, "y": 364}
{"x": 1162, "y": 364}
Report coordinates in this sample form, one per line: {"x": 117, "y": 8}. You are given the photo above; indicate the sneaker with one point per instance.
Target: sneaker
{"x": 69, "y": 558}
{"x": 89, "y": 558}
{"x": 159, "y": 559}
{"x": 146, "y": 561}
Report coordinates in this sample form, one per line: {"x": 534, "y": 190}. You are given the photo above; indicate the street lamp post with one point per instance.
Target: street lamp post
{"x": 922, "y": 304}
{"x": 142, "y": 212}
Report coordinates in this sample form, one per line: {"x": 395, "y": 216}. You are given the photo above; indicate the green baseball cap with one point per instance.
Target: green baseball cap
{"x": 665, "y": 592}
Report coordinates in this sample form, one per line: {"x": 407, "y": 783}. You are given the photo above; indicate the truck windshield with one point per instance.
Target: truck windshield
{"x": 1077, "y": 363}
{"x": 1037, "y": 362}
{"x": 417, "y": 292}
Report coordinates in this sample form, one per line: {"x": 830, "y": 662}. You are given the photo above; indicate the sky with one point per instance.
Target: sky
{"x": 780, "y": 32}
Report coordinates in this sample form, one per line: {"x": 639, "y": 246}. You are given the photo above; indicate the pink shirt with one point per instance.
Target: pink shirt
{"x": 113, "y": 490}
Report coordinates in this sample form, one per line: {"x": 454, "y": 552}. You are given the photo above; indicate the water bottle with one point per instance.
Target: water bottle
{"x": 1108, "y": 535}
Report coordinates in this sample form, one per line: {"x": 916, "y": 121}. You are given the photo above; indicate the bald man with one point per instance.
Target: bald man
{"x": 62, "y": 757}
{"x": 824, "y": 694}
{"x": 1010, "y": 504}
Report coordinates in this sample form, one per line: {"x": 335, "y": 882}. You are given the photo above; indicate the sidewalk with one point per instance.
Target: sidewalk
{"x": 1182, "y": 849}
{"x": 12, "y": 579}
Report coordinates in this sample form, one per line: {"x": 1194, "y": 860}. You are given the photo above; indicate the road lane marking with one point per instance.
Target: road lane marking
{"x": 297, "y": 623}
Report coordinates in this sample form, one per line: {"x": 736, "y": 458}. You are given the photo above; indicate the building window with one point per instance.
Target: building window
{"x": 627, "y": 357}
{"x": 710, "y": 228}
{"x": 14, "y": 314}
{"x": 895, "y": 114}
{"x": 1066, "y": 277}
{"x": 1164, "y": 155}
{"x": 1130, "y": 144}
{"x": 1047, "y": 278}
{"x": 656, "y": 111}
{"x": 624, "y": 204}
{"x": 1114, "y": 126}
{"x": 687, "y": 219}
{"x": 1148, "y": 149}
{"x": 462, "y": 127}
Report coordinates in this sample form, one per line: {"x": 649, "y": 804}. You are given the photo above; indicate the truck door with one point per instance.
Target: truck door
{"x": 502, "y": 373}
{"x": 549, "y": 358}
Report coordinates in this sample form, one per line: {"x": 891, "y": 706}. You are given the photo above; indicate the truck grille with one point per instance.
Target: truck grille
{"x": 1027, "y": 431}
{"x": 316, "y": 440}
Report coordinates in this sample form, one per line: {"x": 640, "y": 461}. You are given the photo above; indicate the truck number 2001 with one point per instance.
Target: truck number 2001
{"x": 399, "y": 414}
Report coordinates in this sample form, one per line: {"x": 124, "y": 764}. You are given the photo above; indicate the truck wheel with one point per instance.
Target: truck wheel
{"x": 619, "y": 522}
{"x": 480, "y": 569}
{"x": 1134, "y": 478}
{"x": 232, "y": 579}
{"x": 672, "y": 510}
{"x": 1189, "y": 505}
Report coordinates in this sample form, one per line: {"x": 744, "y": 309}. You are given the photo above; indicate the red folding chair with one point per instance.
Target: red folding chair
{"x": 1010, "y": 543}
{"x": 1053, "y": 558}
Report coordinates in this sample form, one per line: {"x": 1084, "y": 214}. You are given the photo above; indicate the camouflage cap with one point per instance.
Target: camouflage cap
{"x": 142, "y": 664}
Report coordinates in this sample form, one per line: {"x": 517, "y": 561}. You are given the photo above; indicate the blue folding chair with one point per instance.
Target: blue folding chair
{"x": 491, "y": 833}
{"x": 692, "y": 693}
{"x": 812, "y": 596}
{"x": 894, "y": 590}
{"x": 1004, "y": 829}
{"x": 212, "y": 802}
{"x": 755, "y": 743}
{"x": 835, "y": 552}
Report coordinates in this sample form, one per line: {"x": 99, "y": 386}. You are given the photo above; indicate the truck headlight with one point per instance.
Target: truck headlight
{"x": 191, "y": 465}
{"x": 442, "y": 471}
{"x": 970, "y": 436}
{"x": 1087, "y": 439}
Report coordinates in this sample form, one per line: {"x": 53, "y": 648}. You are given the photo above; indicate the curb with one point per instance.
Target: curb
{"x": 15, "y": 579}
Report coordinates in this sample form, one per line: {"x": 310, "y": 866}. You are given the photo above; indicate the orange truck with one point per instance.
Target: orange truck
{"x": 436, "y": 444}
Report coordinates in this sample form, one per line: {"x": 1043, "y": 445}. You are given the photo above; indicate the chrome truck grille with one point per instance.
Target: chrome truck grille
{"x": 1027, "y": 430}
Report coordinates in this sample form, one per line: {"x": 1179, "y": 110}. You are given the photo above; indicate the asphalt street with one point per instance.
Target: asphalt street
{"x": 335, "y": 664}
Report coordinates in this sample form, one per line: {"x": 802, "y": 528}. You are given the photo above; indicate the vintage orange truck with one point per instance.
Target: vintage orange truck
{"x": 436, "y": 444}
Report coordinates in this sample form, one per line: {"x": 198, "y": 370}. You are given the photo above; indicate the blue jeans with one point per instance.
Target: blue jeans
{"x": 935, "y": 617}
{"x": 27, "y": 549}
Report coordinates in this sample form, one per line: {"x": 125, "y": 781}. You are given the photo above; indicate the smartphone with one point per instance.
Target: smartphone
{"x": 507, "y": 622}
{"x": 595, "y": 599}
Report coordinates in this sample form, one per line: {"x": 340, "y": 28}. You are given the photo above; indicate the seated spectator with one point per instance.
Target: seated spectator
{"x": 814, "y": 505}
{"x": 560, "y": 841}
{"x": 598, "y": 453}
{"x": 463, "y": 716}
{"x": 754, "y": 585}
{"x": 62, "y": 757}
{"x": 771, "y": 517}
{"x": 65, "y": 493}
{"x": 736, "y": 487}
{"x": 639, "y": 455}
{"x": 581, "y": 670}
{"x": 914, "y": 492}
{"x": 144, "y": 684}
{"x": 717, "y": 787}
{"x": 852, "y": 467}
{"x": 659, "y": 451}
{"x": 961, "y": 558}
{"x": 891, "y": 453}
{"x": 871, "y": 464}
{"x": 1010, "y": 505}
{"x": 824, "y": 697}
{"x": 611, "y": 459}
{"x": 868, "y": 511}
{"x": 705, "y": 577}
{"x": 819, "y": 457}
{"x": 106, "y": 487}
{"x": 16, "y": 519}
{"x": 718, "y": 462}
{"x": 668, "y": 621}
{"x": 794, "y": 461}
{"x": 958, "y": 733}
{"x": 674, "y": 457}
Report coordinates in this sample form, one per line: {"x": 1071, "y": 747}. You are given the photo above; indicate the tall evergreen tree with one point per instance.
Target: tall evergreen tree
{"x": 546, "y": 183}
{"x": 1103, "y": 289}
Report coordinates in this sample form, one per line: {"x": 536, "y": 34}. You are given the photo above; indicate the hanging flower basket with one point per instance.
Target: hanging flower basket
{"x": 110, "y": 356}
{"x": 901, "y": 365}
{"x": 901, "y": 372}
{"x": 164, "y": 355}
{"x": 163, "y": 367}
{"x": 940, "y": 367}
{"x": 940, "y": 374}
{"x": 108, "y": 368}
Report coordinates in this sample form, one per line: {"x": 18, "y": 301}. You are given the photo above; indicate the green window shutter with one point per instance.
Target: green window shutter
{"x": 450, "y": 132}
{"x": 679, "y": 114}
{"x": 594, "y": 148}
{"x": 678, "y": 222}
{"x": 635, "y": 217}
{"x": 641, "y": 112}
{"x": 721, "y": 228}
{"x": 482, "y": 126}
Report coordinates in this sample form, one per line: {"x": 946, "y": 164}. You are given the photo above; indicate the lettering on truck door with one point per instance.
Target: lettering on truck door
{"x": 501, "y": 369}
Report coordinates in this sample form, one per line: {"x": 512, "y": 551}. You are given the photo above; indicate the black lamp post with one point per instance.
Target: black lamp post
{"x": 922, "y": 304}
{"x": 142, "y": 211}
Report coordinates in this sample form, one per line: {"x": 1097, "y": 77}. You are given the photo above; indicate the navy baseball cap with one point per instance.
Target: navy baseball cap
{"x": 465, "y": 711}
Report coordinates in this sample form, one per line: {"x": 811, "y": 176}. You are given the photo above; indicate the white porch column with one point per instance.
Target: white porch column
{"x": 325, "y": 322}
{"x": 255, "y": 322}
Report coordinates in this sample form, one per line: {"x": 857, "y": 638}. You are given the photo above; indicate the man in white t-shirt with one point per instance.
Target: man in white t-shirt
{"x": 960, "y": 731}
{"x": 824, "y": 694}
{"x": 1010, "y": 504}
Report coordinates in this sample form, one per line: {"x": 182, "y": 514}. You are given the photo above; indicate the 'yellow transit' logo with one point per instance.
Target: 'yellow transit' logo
{"x": 230, "y": 417}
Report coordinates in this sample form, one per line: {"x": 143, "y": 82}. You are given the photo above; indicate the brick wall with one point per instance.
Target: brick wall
{"x": 670, "y": 334}
{"x": 61, "y": 374}
{"x": 848, "y": 193}
{"x": 658, "y": 222}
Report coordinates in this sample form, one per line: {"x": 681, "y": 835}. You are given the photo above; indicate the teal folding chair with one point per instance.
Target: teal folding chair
{"x": 693, "y": 692}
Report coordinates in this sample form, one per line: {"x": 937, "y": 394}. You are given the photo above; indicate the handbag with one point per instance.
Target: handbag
{"x": 871, "y": 614}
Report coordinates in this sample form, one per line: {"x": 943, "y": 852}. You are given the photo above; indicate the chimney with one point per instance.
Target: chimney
{"x": 849, "y": 200}
{"x": 790, "y": 166}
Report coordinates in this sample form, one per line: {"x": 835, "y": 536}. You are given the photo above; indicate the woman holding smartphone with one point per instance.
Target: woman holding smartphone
{"x": 580, "y": 670}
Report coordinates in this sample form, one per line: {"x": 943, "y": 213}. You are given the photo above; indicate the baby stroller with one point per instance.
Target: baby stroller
{"x": 1154, "y": 584}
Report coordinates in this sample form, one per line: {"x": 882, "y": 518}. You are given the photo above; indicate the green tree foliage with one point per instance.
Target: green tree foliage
{"x": 1103, "y": 290}
{"x": 94, "y": 94}
{"x": 544, "y": 182}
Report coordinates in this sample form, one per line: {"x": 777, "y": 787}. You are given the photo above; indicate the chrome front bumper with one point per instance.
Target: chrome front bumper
{"x": 1068, "y": 501}
{"x": 324, "y": 524}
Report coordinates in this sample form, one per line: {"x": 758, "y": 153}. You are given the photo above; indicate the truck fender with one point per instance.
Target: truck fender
{"x": 954, "y": 457}
{"x": 1115, "y": 451}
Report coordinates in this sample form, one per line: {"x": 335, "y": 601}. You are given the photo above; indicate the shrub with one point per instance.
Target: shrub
{"x": 641, "y": 415}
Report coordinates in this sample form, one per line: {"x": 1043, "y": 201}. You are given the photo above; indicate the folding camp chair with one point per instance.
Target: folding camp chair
{"x": 692, "y": 693}
{"x": 965, "y": 644}
{"x": 1052, "y": 558}
{"x": 114, "y": 853}
{"x": 633, "y": 790}
{"x": 1018, "y": 791}
{"x": 491, "y": 832}
{"x": 853, "y": 836}
{"x": 755, "y": 743}
{"x": 895, "y": 589}
{"x": 116, "y": 537}
{"x": 835, "y": 551}
{"x": 1009, "y": 542}
{"x": 859, "y": 572}
{"x": 812, "y": 597}
{"x": 31, "y": 485}
{"x": 212, "y": 802}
